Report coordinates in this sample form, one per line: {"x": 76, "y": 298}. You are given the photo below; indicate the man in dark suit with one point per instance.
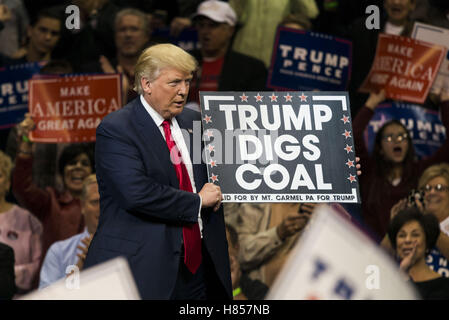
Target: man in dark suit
{"x": 157, "y": 208}
{"x": 7, "y": 278}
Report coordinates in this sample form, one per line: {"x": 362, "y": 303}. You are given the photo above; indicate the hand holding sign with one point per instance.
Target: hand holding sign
{"x": 210, "y": 196}
{"x": 375, "y": 99}
{"x": 23, "y": 132}
{"x": 24, "y": 128}
{"x": 404, "y": 67}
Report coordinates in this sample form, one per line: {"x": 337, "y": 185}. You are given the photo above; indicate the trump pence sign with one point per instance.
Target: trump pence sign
{"x": 280, "y": 146}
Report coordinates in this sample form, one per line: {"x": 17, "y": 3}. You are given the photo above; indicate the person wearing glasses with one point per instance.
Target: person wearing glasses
{"x": 435, "y": 183}
{"x": 413, "y": 235}
{"x": 434, "y": 190}
{"x": 391, "y": 171}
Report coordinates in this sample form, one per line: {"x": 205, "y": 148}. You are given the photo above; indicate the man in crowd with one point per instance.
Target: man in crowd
{"x": 65, "y": 254}
{"x": 43, "y": 33}
{"x": 222, "y": 69}
{"x": 131, "y": 35}
{"x": 157, "y": 208}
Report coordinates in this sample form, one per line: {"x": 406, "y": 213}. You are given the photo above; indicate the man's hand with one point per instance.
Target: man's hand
{"x": 398, "y": 207}
{"x": 290, "y": 225}
{"x": 106, "y": 66}
{"x": 85, "y": 243}
{"x": 178, "y": 24}
{"x": 25, "y": 146}
{"x": 210, "y": 196}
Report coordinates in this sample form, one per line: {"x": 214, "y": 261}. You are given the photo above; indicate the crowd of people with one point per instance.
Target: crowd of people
{"x": 50, "y": 193}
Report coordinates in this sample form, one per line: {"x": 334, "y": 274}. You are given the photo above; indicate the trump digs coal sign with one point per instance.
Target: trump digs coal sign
{"x": 280, "y": 146}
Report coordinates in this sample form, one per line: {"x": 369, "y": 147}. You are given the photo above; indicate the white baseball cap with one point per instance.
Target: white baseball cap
{"x": 218, "y": 11}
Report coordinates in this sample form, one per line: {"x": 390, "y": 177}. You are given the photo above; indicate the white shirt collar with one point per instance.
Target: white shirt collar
{"x": 393, "y": 29}
{"x": 157, "y": 118}
{"x": 444, "y": 226}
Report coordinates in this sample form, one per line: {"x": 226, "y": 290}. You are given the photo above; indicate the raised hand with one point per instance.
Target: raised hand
{"x": 375, "y": 98}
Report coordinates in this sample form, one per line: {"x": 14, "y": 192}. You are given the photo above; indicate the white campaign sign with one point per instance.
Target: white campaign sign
{"x": 335, "y": 260}
{"x": 111, "y": 280}
{"x": 440, "y": 36}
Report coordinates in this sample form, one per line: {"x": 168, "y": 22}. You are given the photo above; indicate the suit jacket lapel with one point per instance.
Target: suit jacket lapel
{"x": 156, "y": 143}
{"x": 188, "y": 134}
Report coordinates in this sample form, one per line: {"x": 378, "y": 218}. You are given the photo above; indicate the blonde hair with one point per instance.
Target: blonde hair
{"x": 90, "y": 179}
{"x": 435, "y": 171}
{"x": 155, "y": 58}
{"x": 6, "y": 165}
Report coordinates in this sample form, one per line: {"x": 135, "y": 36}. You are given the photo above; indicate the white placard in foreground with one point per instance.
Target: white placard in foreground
{"x": 111, "y": 280}
{"x": 335, "y": 260}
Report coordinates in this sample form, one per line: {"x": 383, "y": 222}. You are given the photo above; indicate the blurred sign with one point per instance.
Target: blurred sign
{"x": 69, "y": 109}
{"x": 111, "y": 280}
{"x": 14, "y": 92}
{"x": 404, "y": 67}
{"x": 334, "y": 260}
{"x": 439, "y": 36}
{"x": 424, "y": 125}
{"x": 304, "y": 60}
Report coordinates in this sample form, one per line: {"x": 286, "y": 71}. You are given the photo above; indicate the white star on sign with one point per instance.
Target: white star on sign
{"x": 303, "y": 97}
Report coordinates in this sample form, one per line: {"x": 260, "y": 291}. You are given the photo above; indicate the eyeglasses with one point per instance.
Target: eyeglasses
{"x": 398, "y": 138}
{"x": 438, "y": 188}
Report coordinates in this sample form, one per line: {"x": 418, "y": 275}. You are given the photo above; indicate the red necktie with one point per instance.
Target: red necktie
{"x": 191, "y": 234}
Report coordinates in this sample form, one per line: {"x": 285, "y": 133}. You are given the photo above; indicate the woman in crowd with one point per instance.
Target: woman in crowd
{"x": 435, "y": 184}
{"x": 21, "y": 231}
{"x": 391, "y": 171}
{"x": 412, "y": 236}
{"x": 59, "y": 210}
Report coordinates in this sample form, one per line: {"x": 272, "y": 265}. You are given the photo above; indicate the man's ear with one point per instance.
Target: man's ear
{"x": 146, "y": 85}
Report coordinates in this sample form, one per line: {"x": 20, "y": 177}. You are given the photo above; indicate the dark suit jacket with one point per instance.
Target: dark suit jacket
{"x": 143, "y": 210}
{"x": 7, "y": 277}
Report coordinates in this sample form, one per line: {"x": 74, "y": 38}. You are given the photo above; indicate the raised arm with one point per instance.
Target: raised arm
{"x": 361, "y": 121}
{"x": 256, "y": 243}
{"x": 29, "y": 195}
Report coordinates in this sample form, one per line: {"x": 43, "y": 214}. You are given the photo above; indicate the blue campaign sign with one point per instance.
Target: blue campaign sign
{"x": 14, "y": 92}
{"x": 428, "y": 133}
{"x": 304, "y": 60}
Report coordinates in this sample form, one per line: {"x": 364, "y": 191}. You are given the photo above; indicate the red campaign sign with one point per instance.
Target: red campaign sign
{"x": 404, "y": 67}
{"x": 69, "y": 109}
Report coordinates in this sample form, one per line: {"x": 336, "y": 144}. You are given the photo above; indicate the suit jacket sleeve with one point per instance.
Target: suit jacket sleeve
{"x": 138, "y": 186}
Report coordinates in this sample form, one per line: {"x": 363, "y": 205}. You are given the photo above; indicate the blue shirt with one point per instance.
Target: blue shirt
{"x": 437, "y": 262}
{"x": 59, "y": 256}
